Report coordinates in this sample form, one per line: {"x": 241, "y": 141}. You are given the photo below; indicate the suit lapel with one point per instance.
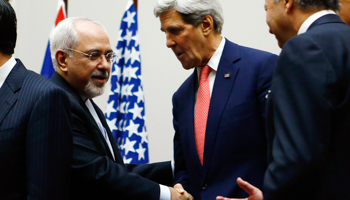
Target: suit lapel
{"x": 97, "y": 130}
{"x": 221, "y": 92}
{"x": 58, "y": 80}
{"x": 8, "y": 92}
{"x": 7, "y": 99}
{"x": 116, "y": 152}
{"x": 81, "y": 109}
{"x": 270, "y": 128}
{"x": 189, "y": 101}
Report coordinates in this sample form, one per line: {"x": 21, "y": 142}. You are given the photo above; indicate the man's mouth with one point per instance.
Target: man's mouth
{"x": 178, "y": 55}
{"x": 100, "y": 76}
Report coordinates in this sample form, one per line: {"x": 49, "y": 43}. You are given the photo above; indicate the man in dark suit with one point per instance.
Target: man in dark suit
{"x": 82, "y": 57}
{"x": 230, "y": 141}
{"x": 309, "y": 106}
{"x": 309, "y": 103}
{"x": 35, "y": 130}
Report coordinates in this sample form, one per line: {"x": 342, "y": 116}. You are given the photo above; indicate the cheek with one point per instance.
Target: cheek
{"x": 181, "y": 42}
{"x": 345, "y": 15}
{"x": 82, "y": 71}
{"x": 268, "y": 19}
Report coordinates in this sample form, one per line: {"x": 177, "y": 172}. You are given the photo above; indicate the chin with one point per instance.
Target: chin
{"x": 92, "y": 90}
{"x": 187, "y": 67}
{"x": 280, "y": 42}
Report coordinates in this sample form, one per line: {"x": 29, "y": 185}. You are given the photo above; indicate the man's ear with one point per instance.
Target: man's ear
{"x": 288, "y": 5}
{"x": 207, "y": 25}
{"x": 61, "y": 58}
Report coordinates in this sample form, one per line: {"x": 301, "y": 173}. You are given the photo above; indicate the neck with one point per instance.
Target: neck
{"x": 4, "y": 58}
{"x": 300, "y": 16}
{"x": 212, "y": 44}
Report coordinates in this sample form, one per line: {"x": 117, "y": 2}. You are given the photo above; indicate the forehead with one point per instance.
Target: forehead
{"x": 169, "y": 19}
{"x": 92, "y": 36}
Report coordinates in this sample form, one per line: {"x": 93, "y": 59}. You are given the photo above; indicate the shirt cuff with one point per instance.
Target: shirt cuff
{"x": 164, "y": 193}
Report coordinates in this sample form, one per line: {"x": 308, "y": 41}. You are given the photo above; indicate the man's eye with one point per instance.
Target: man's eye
{"x": 109, "y": 56}
{"x": 175, "y": 31}
{"x": 94, "y": 56}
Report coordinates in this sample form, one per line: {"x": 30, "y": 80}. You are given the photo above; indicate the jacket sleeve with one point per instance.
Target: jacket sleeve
{"x": 160, "y": 172}
{"x": 181, "y": 174}
{"x": 97, "y": 174}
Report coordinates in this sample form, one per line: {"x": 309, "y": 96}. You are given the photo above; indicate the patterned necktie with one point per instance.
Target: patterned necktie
{"x": 201, "y": 112}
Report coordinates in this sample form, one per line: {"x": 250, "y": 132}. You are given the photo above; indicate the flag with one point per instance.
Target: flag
{"x": 47, "y": 70}
{"x": 125, "y": 112}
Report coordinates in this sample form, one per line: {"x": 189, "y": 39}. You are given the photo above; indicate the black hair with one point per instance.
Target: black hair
{"x": 8, "y": 28}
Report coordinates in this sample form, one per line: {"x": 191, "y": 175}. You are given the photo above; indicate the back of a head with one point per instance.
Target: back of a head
{"x": 8, "y": 28}
{"x": 193, "y": 11}
{"x": 316, "y": 4}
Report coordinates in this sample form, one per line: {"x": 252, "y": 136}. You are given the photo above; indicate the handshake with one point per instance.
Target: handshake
{"x": 178, "y": 192}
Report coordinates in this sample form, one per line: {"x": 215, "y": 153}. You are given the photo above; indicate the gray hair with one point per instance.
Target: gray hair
{"x": 316, "y": 4}
{"x": 193, "y": 11}
{"x": 65, "y": 37}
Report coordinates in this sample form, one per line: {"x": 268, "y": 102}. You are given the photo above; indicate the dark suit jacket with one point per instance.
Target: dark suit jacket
{"x": 95, "y": 174}
{"x": 235, "y": 140}
{"x": 35, "y": 137}
{"x": 309, "y": 113}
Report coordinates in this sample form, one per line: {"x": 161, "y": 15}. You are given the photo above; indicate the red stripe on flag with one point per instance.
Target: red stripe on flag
{"x": 60, "y": 15}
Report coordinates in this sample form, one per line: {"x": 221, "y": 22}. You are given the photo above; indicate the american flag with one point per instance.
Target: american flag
{"x": 125, "y": 112}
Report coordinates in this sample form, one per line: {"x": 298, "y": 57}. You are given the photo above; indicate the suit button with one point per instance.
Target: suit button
{"x": 204, "y": 187}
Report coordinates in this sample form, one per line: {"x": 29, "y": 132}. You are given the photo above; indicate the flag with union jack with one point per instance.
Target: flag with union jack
{"x": 125, "y": 112}
{"x": 47, "y": 69}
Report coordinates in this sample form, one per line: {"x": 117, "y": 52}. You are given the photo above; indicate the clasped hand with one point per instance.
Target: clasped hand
{"x": 178, "y": 193}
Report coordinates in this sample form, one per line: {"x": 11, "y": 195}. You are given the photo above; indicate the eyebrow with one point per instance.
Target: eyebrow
{"x": 109, "y": 51}
{"x": 172, "y": 28}
{"x": 98, "y": 50}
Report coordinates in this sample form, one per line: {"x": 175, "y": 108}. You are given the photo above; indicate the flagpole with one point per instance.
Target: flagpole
{"x": 66, "y": 2}
{"x": 135, "y": 4}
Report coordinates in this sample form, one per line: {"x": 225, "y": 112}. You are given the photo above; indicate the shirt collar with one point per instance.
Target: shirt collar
{"x": 6, "y": 69}
{"x": 307, "y": 23}
{"x": 83, "y": 98}
{"x": 215, "y": 59}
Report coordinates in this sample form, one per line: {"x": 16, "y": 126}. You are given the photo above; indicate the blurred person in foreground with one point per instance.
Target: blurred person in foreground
{"x": 309, "y": 106}
{"x": 219, "y": 111}
{"x": 35, "y": 127}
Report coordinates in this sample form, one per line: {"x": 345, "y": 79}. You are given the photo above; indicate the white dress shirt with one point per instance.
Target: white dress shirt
{"x": 307, "y": 23}
{"x": 6, "y": 69}
{"x": 213, "y": 64}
